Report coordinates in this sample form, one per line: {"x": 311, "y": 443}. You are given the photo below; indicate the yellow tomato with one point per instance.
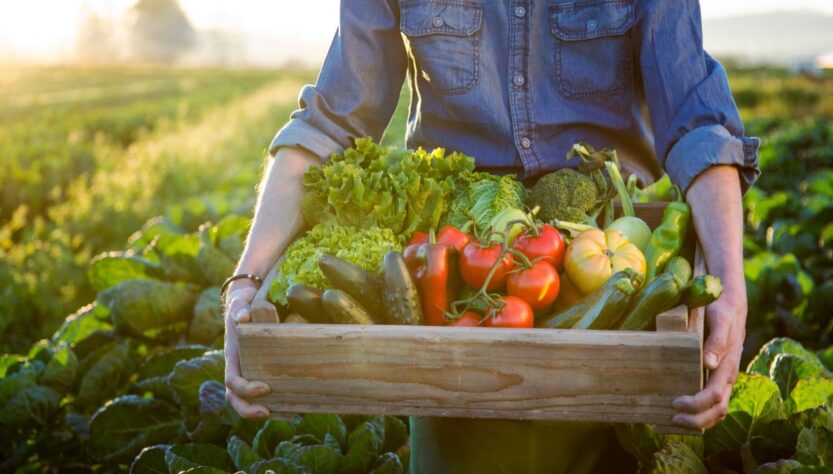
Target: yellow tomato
{"x": 594, "y": 256}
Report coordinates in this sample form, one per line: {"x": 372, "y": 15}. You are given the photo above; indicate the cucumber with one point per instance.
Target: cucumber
{"x": 570, "y": 316}
{"x": 356, "y": 281}
{"x": 343, "y": 309}
{"x": 295, "y": 318}
{"x": 663, "y": 293}
{"x": 306, "y": 302}
{"x": 680, "y": 267}
{"x": 703, "y": 290}
{"x": 608, "y": 309}
{"x": 400, "y": 292}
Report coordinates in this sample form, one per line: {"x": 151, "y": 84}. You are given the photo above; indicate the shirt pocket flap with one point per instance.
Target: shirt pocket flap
{"x": 446, "y": 17}
{"x": 575, "y": 21}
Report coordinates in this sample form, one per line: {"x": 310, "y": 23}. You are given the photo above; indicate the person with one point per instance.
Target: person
{"x": 514, "y": 84}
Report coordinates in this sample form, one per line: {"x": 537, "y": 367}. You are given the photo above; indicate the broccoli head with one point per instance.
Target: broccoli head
{"x": 566, "y": 195}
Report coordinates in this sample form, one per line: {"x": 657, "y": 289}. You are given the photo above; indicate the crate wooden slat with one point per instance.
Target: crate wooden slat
{"x": 542, "y": 374}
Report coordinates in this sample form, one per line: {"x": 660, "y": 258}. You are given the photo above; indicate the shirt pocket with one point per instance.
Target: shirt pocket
{"x": 444, "y": 40}
{"x": 593, "y": 47}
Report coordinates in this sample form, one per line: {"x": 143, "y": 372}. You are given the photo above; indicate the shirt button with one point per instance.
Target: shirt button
{"x": 520, "y": 12}
{"x": 518, "y": 80}
{"x": 592, "y": 25}
{"x": 525, "y": 142}
{"x": 437, "y": 21}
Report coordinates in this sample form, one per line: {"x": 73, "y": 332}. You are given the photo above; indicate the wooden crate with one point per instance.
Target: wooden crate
{"x": 541, "y": 374}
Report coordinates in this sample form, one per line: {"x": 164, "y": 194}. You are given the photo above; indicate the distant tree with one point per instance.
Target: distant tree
{"x": 96, "y": 42}
{"x": 158, "y": 31}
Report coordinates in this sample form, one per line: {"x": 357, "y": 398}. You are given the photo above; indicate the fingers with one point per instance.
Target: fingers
{"x": 239, "y": 306}
{"x": 246, "y": 409}
{"x": 713, "y": 393}
{"x": 244, "y": 388}
{"x": 720, "y": 322}
{"x": 708, "y": 418}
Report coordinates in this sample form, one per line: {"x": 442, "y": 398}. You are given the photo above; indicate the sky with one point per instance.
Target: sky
{"x": 273, "y": 31}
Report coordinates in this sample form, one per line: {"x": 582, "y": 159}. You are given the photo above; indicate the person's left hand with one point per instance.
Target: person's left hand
{"x": 726, "y": 319}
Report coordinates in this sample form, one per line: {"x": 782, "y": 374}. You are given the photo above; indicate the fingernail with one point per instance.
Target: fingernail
{"x": 710, "y": 359}
{"x": 677, "y": 405}
{"x": 677, "y": 420}
{"x": 262, "y": 390}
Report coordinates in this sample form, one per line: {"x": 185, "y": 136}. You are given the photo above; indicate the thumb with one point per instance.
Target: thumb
{"x": 720, "y": 324}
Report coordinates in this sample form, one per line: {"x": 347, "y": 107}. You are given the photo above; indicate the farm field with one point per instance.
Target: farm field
{"x": 125, "y": 199}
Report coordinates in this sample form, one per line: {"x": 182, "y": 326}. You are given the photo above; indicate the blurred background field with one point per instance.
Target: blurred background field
{"x": 138, "y": 147}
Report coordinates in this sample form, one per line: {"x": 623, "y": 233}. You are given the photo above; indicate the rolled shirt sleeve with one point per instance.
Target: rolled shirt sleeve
{"x": 359, "y": 84}
{"x": 694, "y": 117}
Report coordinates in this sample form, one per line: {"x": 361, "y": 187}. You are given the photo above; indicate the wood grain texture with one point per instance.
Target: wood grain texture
{"x": 544, "y": 374}
{"x": 675, "y": 319}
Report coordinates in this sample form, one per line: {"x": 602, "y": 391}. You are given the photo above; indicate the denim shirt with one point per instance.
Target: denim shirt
{"x": 514, "y": 83}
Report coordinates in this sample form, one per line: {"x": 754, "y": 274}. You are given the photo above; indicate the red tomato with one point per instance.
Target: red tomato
{"x": 418, "y": 238}
{"x": 476, "y": 262}
{"x": 453, "y": 237}
{"x": 538, "y": 285}
{"x": 468, "y": 319}
{"x": 547, "y": 244}
{"x": 516, "y": 313}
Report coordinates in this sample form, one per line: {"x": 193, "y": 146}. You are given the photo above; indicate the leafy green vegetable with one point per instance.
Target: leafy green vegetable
{"x": 270, "y": 435}
{"x": 321, "y": 424}
{"x": 187, "y": 377}
{"x": 242, "y": 455}
{"x": 566, "y": 195}
{"x": 62, "y": 370}
{"x": 182, "y": 457}
{"x": 149, "y": 308}
{"x": 207, "y": 323}
{"x": 110, "y": 269}
{"x": 105, "y": 372}
{"x": 151, "y": 460}
{"x": 363, "y": 247}
{"x": 92, "y": 317}
{"x": 370, "y": 185}
{"x": 214, "y": 265}
{"x": 479, "y": 197}
{"x": 120, "y": 429}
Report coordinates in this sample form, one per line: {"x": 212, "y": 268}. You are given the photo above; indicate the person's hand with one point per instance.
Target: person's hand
{"x": 239, "y": 391}
{"x": 726, "y": 319}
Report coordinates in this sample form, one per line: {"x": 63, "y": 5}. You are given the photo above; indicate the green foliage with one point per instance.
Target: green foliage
{"x": 566, "y": 195}
{"x": 370, "y": 185}
{"x": 479, "y": 197}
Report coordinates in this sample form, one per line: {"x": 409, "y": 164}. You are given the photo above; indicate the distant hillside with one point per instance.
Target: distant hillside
{"x": 780, "y": 37}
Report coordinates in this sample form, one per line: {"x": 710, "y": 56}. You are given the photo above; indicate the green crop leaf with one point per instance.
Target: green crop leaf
{"x": 229, "y": 234}
{"x": 111, "y": 268}
{"x": 787, "y": 369}
{"x": 105, "y": 371}
{"x": 815, "y": 447}
{"x": 364, "y": 444}
{"x": 187, "y": 376}
{"x": 387, "y": 463}
{"x": 162, "y": 363}
{"x": 319, "y": 424}
{"x": 762, "y": 362}
{"x": 182, "y": 457}
{"x": 277, "y": 466}
{"x": 156, "y": 386}
{"x": 207, "y": 323}
{"x": 270, "y": 435}
{"x": 642, "y": 442}
{"x": 121, "y": 428}
{"x": 79, "y": 325}
{"x": 31, "y": 406}
{"x": 317, "y": 459}
{"x": 755, "y": 401}
{"x": 810, "y": 393}
{"x": 62, "y": 370}
{"x": 677, "y": 458}
{"x": 177, "y": 255}
{"x": 149, "y": 308}
{"x": 396, "y": 434}
{"x": 212, "y": 398}
{"x": 150, "y": 460}
{"x": 783, "y": 466}
{"x": 242, "y": 455}
{"x": 214, "y": 265}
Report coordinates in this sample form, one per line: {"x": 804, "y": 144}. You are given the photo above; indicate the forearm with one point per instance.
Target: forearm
{"x": 716, "y": 205}
{"x": 277, "y": 217}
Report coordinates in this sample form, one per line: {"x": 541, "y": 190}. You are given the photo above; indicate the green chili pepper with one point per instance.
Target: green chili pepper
{"x": 668, "y": 238}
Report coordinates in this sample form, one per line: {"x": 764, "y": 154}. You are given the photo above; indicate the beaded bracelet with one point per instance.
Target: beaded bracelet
{"x": 238, "y": 277}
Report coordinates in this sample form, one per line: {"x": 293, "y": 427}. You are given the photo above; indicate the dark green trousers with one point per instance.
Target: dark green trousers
{"x": 464, "y": 445}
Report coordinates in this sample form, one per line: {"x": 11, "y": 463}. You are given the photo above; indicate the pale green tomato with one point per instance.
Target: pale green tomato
{"x": 634, "y": 228}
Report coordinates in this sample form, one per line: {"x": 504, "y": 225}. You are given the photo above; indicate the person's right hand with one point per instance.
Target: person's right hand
{"x": 239, "y": 391}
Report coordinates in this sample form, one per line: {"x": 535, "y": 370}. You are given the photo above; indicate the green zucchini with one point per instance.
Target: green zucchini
{"x": 306, "y": 302}
{"x": 661, "y": 294}
{"x": 570, "y": 316}
{"x": 356, "y": 281}
{"x": 608, "y": 309}
{"x": 680, "y": 267}
{"x": 703, "y": 290}
{"x": 400, "y": 292}
{"x": 343, "y": 308}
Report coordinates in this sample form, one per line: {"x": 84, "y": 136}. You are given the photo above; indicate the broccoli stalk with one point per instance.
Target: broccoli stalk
{"x": 621, "y": 189}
